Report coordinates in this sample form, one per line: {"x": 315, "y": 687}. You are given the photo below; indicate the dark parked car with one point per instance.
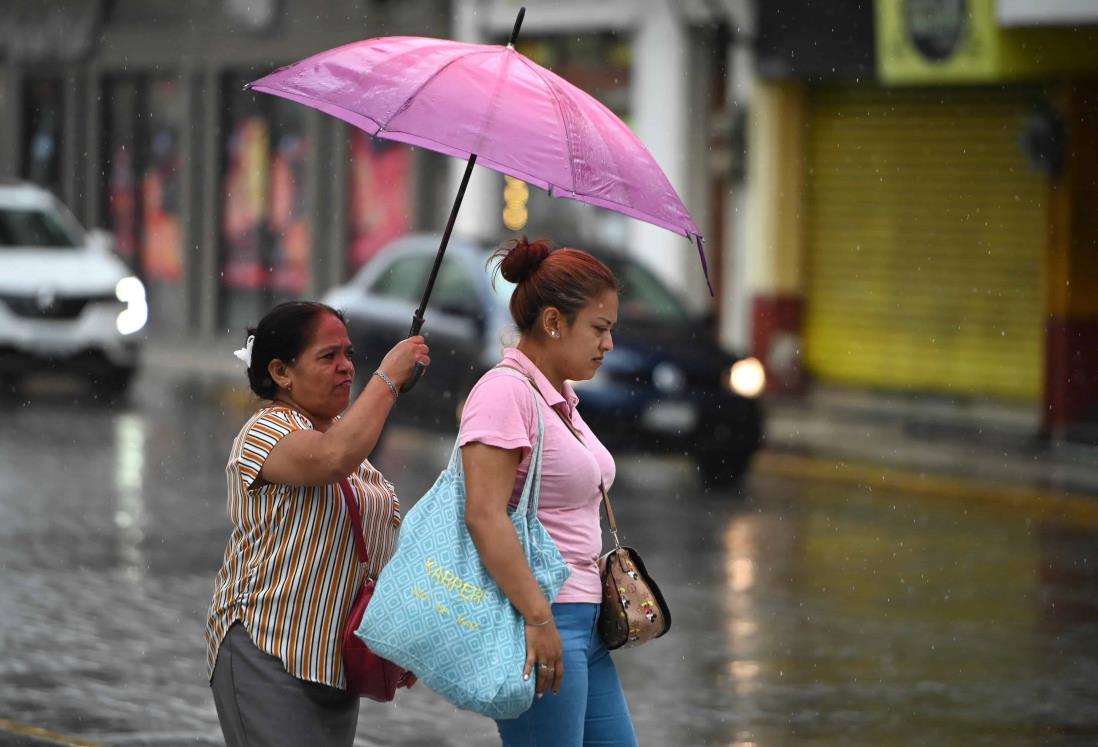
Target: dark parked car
{"x": 667, "y": 386}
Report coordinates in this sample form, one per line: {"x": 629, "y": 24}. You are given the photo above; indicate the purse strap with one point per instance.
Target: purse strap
{"x": 613, "y": 524}
{"x": 610, "y": 520}
{"x": 351, "y": 502}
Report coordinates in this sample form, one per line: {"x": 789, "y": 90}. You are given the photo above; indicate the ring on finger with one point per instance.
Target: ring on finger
{"x": 545, "y": 666}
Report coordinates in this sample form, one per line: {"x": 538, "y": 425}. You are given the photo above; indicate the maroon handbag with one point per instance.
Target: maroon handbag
{"x": 368, "y": 675}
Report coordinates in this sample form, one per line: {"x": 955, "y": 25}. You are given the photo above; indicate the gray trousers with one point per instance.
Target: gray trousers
{"x": 259, "y": 703}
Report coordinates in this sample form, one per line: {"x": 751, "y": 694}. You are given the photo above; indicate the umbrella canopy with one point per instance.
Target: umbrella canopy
{"x": 491, "y": 103}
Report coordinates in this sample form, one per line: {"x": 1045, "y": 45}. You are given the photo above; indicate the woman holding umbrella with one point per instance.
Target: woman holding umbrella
{"x": 290, "y": 573}
{"x": 565, "y": 306}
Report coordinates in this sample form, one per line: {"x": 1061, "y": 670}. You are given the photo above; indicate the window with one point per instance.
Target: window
{"x": 142, "y": 120}
{"x": 453, "y": 292}
{"x": 42, "y": 127}
{"x": 33, "y": 228}
{"x": 266, "y": 232}
{"x": 644, "y": 297}
{"x": 379, "y": 195}
{"x": 404, "y": 280}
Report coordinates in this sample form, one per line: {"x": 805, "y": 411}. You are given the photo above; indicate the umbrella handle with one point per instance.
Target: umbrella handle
{"x": 414, "y": 378}
{"x": 417, "y": 323}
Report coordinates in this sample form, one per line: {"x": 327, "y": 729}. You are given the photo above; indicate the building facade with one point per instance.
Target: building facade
{"x": 923, "y": 225}
{"x": 223, "y": 201}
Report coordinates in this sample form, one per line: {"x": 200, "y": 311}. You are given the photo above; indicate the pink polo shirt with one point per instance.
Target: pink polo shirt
{"x": 500, "y": 412}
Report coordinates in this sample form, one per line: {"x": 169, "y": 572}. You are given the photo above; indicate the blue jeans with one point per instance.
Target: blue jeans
{"x": 590, "y": 708}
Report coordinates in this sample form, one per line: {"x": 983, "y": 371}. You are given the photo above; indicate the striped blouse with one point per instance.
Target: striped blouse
{"x": 290, "y": 573}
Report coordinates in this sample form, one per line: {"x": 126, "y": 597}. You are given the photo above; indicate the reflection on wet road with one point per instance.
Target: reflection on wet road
{"x": 803, "y": 612}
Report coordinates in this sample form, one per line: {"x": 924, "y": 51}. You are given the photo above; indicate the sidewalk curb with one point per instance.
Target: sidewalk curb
{"x": 16, "y": 733}
{"x": 1055, "y": 505}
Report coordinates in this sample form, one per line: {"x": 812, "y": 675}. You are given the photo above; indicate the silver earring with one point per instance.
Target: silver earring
{"x": 555, "y": 334}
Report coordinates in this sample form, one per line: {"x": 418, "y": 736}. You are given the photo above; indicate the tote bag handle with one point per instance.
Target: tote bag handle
{"x": 531, "y": 489}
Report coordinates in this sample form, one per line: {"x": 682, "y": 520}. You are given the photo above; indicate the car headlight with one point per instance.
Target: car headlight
{"x": 746, "y": 378}
{"x": 131, "y": 291}
{"x": 669, "y": 378}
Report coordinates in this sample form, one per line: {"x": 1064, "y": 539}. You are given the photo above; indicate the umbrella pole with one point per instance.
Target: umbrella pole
{"x": 417, "y": 317}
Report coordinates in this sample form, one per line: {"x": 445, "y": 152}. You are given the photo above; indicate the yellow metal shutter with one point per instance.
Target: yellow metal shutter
{"x": 925, "y": 242}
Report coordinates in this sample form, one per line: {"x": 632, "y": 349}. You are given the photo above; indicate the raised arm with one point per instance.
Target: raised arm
{"x": 314, "y": 457}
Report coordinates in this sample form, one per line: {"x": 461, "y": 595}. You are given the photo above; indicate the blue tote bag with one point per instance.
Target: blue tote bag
{"x": 437, "y": 612}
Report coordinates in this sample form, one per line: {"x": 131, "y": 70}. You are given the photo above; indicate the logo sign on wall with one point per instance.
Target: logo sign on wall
{"x": 936, "y": 41}
{"x": 936, "y": 28}
{"x": 946, "y": 42}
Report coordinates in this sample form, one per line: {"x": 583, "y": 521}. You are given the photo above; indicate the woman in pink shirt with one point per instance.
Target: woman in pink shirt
{"x": 565, "y": 305}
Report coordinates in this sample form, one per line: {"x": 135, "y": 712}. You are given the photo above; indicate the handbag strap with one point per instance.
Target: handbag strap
{"x": 610, "y": 520}
{"x": 531, "y": 489}
{"x": 356, "y": 519}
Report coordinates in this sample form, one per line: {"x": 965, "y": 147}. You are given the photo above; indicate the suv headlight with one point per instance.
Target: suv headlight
{"x": 131, "y": 291}
{"x": 746, "y": 378}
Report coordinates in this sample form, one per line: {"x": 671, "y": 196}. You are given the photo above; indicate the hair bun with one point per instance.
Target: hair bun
{"x": 522, "y": 259}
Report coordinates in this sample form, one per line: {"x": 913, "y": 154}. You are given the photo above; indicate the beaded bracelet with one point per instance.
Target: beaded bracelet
{"x": 388, "y": 382}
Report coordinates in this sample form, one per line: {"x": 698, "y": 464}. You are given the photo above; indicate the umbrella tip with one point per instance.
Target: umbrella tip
{"x": 705, "y": 265}
{"x": 518, "y": 25}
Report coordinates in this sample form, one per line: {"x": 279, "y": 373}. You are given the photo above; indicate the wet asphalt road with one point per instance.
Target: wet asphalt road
{"x": 804, "y": 613}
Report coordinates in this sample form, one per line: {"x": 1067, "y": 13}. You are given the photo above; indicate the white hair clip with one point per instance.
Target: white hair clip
{"x": 245, "y": 353}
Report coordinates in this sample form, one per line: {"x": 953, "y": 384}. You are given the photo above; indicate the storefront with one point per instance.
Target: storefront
{"x": 938, "y": 237}
{"x": 925, "y": 237}
{"x": 143, "y": 119}
{"x": 223, "y": 201}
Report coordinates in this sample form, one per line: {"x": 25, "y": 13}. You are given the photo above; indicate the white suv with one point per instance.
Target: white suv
{"x": 67, "y": 302}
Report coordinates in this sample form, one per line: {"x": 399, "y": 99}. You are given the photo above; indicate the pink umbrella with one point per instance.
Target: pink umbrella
{"x": 493, "y": 106}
